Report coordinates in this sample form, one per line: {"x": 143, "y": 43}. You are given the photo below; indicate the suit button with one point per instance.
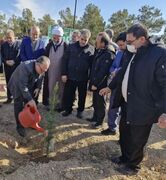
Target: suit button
{"x": 128, "y": 93}
{"x": 127, "y": 122}
{"x": 132, "y": 62}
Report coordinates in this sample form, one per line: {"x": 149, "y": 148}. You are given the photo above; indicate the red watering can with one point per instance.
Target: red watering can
{"x": 29, "y": 117}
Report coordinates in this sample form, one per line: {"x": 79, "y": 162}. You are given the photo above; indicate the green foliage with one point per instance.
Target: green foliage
{"x": 66, "y": 18}
{"x": 44, "y": 23}
{"x": 151, "y": 17}
{"x": 120, "y": 21}
{"x": 51, "y": 116}
{"x": 92, "y": 20}
{"x": 14, "y": 24}
{"x": 3, "y": 25}
{"x": 27, "y": 20}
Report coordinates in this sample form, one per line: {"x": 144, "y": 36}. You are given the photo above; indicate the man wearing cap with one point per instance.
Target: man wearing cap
{"x": 54, "y": 50}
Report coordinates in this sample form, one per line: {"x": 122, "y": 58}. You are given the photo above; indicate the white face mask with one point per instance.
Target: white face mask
{"x": 131, "y": 48}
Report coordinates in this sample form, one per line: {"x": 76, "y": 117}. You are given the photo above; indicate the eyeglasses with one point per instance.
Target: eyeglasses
{"x": 41, "y": 69}
{"x": 130, "y": 42}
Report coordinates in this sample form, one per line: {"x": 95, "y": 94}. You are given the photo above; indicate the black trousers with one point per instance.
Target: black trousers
{"x": 133, "y": 138}
{"x": 99, "y": 106}
{"x": 8, "y": 72}
{"x": 69, "y": 94}
{"x": 18, "y": 107}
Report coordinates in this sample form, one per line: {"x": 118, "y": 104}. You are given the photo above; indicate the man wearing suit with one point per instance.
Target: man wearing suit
{"x": 32, "y": 47}
{"x": 10, "y": 51}
{"x": 141, "y": 92}
{"x": 22, "y": 84}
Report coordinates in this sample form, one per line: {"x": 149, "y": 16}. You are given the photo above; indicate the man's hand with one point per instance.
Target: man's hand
{"x": 32, "y": 103}
{"x": 36, "y": 92}
{"x": 94, "y": 88}
{"x": 104, "y": 91}
{"x": 162, "y": 121}
{"x": 113, "y": 74}
{"x": 10, "y": 62}
{"x": 64, "y": 79}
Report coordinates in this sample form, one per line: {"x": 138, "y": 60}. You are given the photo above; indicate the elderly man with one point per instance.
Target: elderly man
{"x": 75, "y": 36}
{"x": 22, "y": 82}
{"x": 141, "y": 93}
{"x": 55, "y": 51}
{"x": 32, "y": 47}
{"x": 75, "y": 73}
{"x": 10, "y": 57}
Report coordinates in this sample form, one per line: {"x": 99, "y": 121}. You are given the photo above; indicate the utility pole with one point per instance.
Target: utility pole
{"x": 75, "y": 8}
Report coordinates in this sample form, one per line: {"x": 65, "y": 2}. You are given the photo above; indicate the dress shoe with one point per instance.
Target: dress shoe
{"x": 96, "y": 126}
{"x": 80, "y": 115}
{"x": 128, "y": 170}
{"x": 108, "y": 131}
{"x": 118, "y": 160}
{"x": 8, "y": 101}
{"x": 21, "y": 131}
{"x": 66, "y": 113}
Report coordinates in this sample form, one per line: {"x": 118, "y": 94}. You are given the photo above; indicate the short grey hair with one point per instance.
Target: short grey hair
{"x": 86, "y": 33}
{"x": 76, "y": 32}
{"x": 10, "y": 31}
{"x": 43, "y": 60}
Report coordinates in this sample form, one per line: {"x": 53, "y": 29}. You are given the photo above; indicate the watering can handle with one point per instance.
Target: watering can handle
{"x": 32, "y": 104}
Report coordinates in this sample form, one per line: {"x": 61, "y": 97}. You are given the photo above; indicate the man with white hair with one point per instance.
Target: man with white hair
{"x": 55, "y": 51}
{"x": 32, "y": 47}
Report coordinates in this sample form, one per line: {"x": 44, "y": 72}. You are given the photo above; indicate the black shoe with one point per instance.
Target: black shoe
{"x": 79, "y": 115}
{"x": 66, "y": 113}
{"x": 91, "y": 119}
{"x": 21, "y": 131}
{"x": 118, "y": 160}
{"x": 0, "y": 105}
{"x": 128, "y": 170}
{"x": 108, "y": 132}
{"x": 8, "y": 101}
{"x": 96, "y": 126}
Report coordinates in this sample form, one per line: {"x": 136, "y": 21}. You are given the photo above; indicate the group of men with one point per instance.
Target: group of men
{"x": 133, "y": 70}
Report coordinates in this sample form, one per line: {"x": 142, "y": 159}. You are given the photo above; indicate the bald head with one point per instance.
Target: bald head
{"x": 42, "y": 64}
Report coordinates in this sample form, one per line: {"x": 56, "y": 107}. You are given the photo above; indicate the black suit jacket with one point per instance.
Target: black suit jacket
{"x": 146, "y": 91}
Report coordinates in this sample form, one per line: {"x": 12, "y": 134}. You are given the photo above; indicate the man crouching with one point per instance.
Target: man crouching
{"x": 25, "y": 84}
